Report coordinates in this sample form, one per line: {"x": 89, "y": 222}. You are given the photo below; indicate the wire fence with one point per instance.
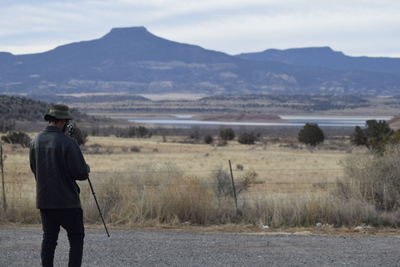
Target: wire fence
{"x": 258, "y": 179}
{"x": 159, "y": 183}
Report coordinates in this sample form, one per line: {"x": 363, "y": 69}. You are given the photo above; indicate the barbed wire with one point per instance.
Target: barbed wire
{"x": 215, "y": 170}
{"x": 187, "y": 172}
{"x": 195, "y": 183}
{"x": 121, "y": 178}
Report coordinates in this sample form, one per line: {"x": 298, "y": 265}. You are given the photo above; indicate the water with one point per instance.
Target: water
{"x": 183, "y": 121}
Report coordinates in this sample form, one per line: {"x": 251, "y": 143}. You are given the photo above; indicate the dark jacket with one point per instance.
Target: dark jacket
{"x": 57, "y": 161}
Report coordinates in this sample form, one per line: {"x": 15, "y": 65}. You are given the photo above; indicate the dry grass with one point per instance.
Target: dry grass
{"x": 374, "y": 179}
{"x": 273, "y": 164}
{"x": 173, "y": 183}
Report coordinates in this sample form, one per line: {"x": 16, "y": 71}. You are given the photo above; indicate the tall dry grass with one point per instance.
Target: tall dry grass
{"x": 165, "y": 195}
{"x": 373, "y": 179}
{"x": 151, "y": 194}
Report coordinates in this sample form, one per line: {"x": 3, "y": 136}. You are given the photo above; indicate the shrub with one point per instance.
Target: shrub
{"x": 247, "y": 138}
{"x": 373, "y": 178}
{"x": 222, "y": 142}
{"x": 135, "y": 149}
{"x": 311, "y": 134}
{"x": 223, "y": 183}
{"x": 227, "y": 134}
{"x": 133, "y": 131}
{"x": 208, "y": 139}
{"x": 142, "y": 132}
{"x": 19, "y": 138}
{"x": 194, "y": 134}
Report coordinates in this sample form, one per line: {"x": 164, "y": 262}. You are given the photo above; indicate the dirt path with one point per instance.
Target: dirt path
{"x": 21, "y": 247}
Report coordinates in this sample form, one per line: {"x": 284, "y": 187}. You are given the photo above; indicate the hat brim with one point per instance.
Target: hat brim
{"x": 48, "y": 117}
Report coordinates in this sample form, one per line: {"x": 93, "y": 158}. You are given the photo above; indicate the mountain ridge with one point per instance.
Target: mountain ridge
{"x": 327, "y": 57}
{"x": 133, "y": 60}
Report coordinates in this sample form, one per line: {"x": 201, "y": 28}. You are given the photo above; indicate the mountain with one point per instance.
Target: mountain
{"x": 133, "y": 60}
{"x": 327, "y": 58}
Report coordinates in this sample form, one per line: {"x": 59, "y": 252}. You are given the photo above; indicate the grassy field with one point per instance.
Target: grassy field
{"x": 151, "y": 181}
{"x": 273, "y": 163}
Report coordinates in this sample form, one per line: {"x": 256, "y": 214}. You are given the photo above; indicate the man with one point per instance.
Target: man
{"x": 57, "y": 162}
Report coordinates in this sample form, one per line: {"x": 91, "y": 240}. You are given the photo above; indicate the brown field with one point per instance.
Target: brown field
{"x": 273, "y": 163}
{"x": 149, "y": 181}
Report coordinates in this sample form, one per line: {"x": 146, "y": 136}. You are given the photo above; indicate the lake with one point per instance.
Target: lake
{"x": 184, "y": 121}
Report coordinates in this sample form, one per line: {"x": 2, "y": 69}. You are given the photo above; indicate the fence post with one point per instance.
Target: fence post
{"x": 2, "y": 158}
{"x": 234, "y": 188}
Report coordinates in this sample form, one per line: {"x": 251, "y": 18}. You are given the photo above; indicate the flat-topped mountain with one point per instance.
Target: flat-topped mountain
{"x": 133, "y": 60}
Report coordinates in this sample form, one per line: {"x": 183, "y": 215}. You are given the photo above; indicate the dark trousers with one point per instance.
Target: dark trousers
{"x": 72, "y": 221}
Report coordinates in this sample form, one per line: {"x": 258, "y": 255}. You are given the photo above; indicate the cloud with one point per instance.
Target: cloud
{"x": 256, "y": 31}
{"x": 232, "y": 26}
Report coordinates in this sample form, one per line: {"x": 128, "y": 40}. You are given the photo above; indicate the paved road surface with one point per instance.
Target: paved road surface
{"x": 21, "y": 247}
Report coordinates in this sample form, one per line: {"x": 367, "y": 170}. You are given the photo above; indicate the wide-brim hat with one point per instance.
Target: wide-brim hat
{"x": 59, "y": 112}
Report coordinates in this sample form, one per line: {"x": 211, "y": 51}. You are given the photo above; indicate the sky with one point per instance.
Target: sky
{"x": 355, "y": 27}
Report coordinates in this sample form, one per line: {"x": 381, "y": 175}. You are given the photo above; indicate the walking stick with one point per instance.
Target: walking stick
{"x": 98, "y": 207}
{"x": 71, "y": 133}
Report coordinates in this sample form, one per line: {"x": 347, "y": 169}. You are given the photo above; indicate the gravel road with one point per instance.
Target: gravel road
{"x": 21, "y": 247}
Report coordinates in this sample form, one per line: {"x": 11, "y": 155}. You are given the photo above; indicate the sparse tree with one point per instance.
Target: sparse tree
{"x": 247, "y": 138}
{"x": 195, "y": 134}
{"x": 358, "y": 137}
{"x": 227, "y": 134}
{"x": 375, "y": 135}
{"x": 17, "y": 137}
{"x": 142, "y": 131}
{"x": 311, "y": 134}
{"x": 208, "y": 139}
{"x": 133, "y": 131}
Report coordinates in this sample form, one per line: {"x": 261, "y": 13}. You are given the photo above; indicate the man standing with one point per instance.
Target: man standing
{"x": 57, "y": 162}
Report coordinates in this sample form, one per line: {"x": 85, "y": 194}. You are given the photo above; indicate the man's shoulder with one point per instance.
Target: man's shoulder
{"x": 57, "y": 136}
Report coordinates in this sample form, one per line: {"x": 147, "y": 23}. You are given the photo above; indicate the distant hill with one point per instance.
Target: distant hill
{"x": 25, "y": 109}
{"x": 327, "y": 58}
{"x": 132, "y": 60}
{"x": 87, "y": 99}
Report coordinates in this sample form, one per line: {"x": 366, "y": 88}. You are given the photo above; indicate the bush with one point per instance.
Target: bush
{"x": 247, "y": 138}
{"x": 135, "y": 149}
{"x": 133, "y": 131}
{"x": 208, "y": 139}
{"x": 227, "y": 134}
{"x": 222, "y": 142}
{"x": 223, "y": 183}
{"x": 194, "y": 134}
{"x": 374, "y": 178}
{"x": 19, "y": 138}
{"x": 142, "y": 132}
{"x": 311, "y": 134}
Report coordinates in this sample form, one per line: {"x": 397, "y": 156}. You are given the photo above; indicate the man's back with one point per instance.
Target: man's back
{"x": 57, "y": 162}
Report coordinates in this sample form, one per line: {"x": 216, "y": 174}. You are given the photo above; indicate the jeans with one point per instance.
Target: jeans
{"x": 72, "y": 221}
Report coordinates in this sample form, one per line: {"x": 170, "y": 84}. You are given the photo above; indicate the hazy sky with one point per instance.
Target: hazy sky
{"x": 356, "y": 27}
